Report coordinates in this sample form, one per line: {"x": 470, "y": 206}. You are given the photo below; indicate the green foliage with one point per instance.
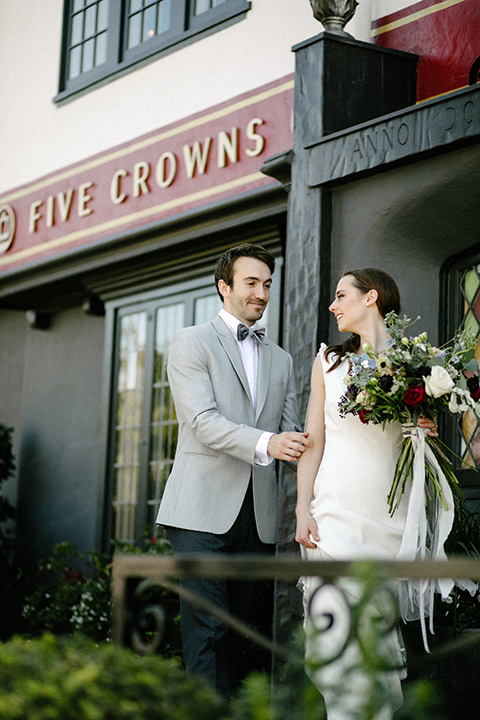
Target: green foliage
{"x": 464, "y": 540}
{"x": 56, "y": 678}
{"x": 69, "y": 592}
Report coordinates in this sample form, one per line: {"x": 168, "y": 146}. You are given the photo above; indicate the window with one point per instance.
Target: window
{"x": 105, "y": 37}
{"x": 463, "y": 307}
{"x": 143, "y": 433}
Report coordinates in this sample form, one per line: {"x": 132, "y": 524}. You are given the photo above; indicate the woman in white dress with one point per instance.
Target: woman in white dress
{"x": 342, "y": 510}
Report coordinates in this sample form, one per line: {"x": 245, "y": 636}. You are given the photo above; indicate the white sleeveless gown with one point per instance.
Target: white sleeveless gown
{"x": 350, "y": 507}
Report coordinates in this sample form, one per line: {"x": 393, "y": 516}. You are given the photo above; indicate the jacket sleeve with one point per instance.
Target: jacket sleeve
{"x": 195, "y": 402}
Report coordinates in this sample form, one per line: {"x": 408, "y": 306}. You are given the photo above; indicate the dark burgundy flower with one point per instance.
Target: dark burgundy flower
{"x": 473, "y": 384}
{"x": 364, "y": 416}
{"x": 385, "y": 383}
{"x": 415, "y": 395}
{"x": 423, "y": 371}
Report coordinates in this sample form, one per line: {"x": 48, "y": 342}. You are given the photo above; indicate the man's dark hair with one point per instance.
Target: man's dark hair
{"x": 224, "y": 267}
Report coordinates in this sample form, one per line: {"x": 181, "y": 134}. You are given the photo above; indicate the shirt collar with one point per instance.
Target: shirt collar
{"x": 231, "y": 321}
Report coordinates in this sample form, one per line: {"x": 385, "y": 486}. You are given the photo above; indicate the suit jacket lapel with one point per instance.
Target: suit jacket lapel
{"x": 230, "y": 346}
{"x": 264, "y": 365}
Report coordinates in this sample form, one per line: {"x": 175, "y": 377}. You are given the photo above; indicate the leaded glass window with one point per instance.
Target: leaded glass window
{"x": 468, "y": 428}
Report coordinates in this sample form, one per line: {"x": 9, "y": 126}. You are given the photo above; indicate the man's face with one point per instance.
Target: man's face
{"x": 249, "y": 293}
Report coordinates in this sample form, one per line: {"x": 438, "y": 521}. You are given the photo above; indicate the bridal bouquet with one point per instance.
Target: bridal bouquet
{"x": 410, "y": 379}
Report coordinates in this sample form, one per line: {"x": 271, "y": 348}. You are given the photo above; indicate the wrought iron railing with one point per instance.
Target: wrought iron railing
{"x": 141, "y": 623}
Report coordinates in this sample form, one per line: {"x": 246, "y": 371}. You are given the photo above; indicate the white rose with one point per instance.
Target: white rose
{"x": 439, "y": 382}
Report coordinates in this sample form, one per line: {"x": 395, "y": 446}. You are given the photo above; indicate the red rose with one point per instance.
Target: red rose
{"x": 414, "y": 395}
{"x": 363, "y": 415}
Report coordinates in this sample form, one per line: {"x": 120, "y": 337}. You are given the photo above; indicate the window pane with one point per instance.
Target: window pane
{"x": 130, "y": 384}
{"x": 102, "y": 18}
{"x": 90, "y": 21}
{"x": 202, "y": 6}
{"x": 75, "y": 62}
{"x": 469, "y": 424}
{"x": 149, "y": 23}
{"x": 134, "y": 31}
{"x": 101, "y": 49}
{"x": 135, "y": 5}
{"x": 164, "y": 428}
{"x": 77, "y": 5}
{"x": 88, "y": 53}
{"x": 77, "y": 28}
{"x": 206, "y": 308}
{"x": 164, "y": 16}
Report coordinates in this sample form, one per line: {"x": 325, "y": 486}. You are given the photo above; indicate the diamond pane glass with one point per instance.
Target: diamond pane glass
{"x": 469, "y": 424}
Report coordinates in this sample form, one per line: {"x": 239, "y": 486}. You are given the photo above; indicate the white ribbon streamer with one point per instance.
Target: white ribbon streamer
{"x": 425, "y": 538}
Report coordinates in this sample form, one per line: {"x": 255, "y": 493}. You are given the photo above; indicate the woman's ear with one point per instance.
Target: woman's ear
{"x": 372, "y": 297}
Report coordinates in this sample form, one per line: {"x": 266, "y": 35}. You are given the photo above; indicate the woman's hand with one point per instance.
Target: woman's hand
{"x": 429, "y": 425}
{"x": 306, "y": 527}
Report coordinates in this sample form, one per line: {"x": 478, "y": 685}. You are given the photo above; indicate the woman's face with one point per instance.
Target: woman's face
{"x": 350, "y": 305}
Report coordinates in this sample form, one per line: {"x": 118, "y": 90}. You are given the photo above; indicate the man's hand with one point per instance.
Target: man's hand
{"x": 288, "y": 445}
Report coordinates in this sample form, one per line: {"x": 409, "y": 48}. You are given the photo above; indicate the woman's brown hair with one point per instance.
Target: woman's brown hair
{"x": 388, "y": 299}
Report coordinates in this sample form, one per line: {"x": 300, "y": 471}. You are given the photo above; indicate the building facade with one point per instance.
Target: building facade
{"x": 142, "y": 139}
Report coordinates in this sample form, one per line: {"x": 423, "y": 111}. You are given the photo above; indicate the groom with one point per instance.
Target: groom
{"x": 237, "y": 411}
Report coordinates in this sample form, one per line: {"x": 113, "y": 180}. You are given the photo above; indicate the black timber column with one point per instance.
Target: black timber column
{"x": 339, "y": 82}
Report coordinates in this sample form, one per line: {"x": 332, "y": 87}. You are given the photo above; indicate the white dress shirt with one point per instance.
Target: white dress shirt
{"x": 248, "y": 350}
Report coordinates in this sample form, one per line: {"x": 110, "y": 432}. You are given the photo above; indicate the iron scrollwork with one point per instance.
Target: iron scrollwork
{"x": 338, "y": 616}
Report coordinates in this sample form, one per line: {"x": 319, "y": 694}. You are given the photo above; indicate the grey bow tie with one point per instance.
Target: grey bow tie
{"x": 244, "y": 331}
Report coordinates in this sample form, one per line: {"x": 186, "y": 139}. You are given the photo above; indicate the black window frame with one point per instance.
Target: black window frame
{"x": 120, "y": 60}
{"x": 450, "y": 319}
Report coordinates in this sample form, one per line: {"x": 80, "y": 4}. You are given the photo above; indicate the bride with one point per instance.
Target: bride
{"x": 343, "y": 483}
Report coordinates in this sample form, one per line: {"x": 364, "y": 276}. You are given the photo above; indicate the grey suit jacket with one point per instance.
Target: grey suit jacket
{"x": 219, "y": 430}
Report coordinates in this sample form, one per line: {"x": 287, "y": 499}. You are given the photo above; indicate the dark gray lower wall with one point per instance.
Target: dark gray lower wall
{"x": 409, "y": 221}
{"x": 52, "y": 398}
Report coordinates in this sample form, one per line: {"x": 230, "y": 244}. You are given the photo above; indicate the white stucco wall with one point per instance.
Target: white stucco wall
{"x": 38, "y": 137}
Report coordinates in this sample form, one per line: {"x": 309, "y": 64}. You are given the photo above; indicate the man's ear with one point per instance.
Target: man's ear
{"x": 224, "y": 288}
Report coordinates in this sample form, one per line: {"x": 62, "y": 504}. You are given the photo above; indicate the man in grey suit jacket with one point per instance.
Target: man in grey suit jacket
{"x": 236, "y": 405}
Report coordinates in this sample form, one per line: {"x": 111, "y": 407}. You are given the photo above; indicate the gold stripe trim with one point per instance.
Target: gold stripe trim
{"x": 132, "y": 217}
{"x": 414, "y": 16}
{"x": 116, "y": 154}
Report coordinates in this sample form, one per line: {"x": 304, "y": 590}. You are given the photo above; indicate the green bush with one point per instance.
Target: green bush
{"x": 68, "y": 593}
{"x": 55, "y": 678}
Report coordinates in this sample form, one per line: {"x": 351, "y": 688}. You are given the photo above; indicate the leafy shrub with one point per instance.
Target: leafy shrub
{"x": 464, "y": 540}
{"x": 69, "y": 592}
{"x": 56, "y": 678}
